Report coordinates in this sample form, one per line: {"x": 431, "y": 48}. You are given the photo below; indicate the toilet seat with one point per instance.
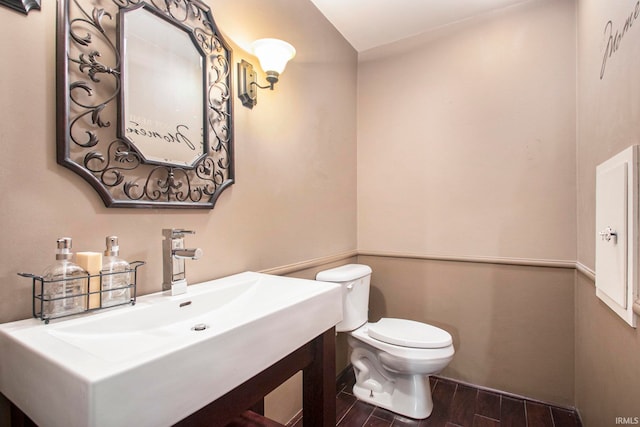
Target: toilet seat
{"x": 405, "y": 359}
{"x": 409, "y": 333}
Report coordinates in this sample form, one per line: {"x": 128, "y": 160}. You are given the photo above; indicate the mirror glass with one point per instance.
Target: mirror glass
{"x": 144, "y": 108}
{"x": 162, "y": 84}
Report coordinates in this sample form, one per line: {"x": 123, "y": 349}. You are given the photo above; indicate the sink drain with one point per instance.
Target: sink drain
{"x": 200, "y": 327}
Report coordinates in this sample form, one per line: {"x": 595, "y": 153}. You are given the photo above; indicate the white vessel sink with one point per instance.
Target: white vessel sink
{"x": 145, "y": 365}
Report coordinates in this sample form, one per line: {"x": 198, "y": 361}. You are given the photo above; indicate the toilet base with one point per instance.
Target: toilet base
{"x": 410, "y": 396}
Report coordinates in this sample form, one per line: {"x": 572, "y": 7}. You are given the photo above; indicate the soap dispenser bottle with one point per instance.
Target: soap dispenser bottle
{"x": 65, "y": 284}
{"x": 116, "y": 276}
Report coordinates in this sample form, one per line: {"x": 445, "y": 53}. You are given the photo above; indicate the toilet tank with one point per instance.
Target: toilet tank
{"x": 355, "y": 280}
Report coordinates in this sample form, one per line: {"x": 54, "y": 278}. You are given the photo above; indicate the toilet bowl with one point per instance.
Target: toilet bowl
{"x": 392, "y": 358}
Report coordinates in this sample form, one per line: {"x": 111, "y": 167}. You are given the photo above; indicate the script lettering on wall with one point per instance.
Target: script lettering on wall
{"x": 614, "y": 34}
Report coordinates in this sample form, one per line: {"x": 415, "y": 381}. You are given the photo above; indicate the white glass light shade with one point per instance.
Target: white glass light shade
{"x": 273, "y": 54}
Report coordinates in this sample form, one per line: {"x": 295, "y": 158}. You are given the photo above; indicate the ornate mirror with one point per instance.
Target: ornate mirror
{"x": 144, "y": 105}
{"x": 157, "y": 52}
{"x": 22, "y": 6}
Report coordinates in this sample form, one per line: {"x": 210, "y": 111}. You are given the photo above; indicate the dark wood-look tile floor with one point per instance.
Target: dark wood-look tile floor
{"x": 454, "y": 405}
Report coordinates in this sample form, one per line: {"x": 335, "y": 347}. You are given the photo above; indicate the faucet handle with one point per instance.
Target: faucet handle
{"x": 172, "y": 233}
{"x": 183, "y": 231}
{"x": 193, "y": 254}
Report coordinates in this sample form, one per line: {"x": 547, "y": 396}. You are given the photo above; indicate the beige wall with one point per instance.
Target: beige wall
{"x": 607, "y": 368}
{"x": 295, "y": 194}
{"x": 512, "y": 326}
{"x": 608, "y": 108}
{"x": 466, "y": 148}
{"x": 466, "y": 138}
{"x": 607, "y": 371}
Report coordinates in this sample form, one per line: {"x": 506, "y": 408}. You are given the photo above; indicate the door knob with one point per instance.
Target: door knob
{"x": 608, "y": 233}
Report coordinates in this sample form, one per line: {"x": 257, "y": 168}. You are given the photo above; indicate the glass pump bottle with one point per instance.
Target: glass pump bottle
{"x": 65, "y": 284}
{"x": 116, "y": 277}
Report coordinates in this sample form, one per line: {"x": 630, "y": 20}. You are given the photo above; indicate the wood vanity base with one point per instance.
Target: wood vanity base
{"x": 251, "y": 419}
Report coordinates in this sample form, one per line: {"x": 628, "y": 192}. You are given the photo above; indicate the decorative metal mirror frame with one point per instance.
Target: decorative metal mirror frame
{"x": 22, "y": 6}
{"x": 90, "y": 144}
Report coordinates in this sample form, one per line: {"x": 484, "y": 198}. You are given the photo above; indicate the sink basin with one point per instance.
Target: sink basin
{"x": 157, "y": 362}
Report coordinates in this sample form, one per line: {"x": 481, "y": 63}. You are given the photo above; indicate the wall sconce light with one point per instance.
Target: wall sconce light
{"x": 273, "y": 55}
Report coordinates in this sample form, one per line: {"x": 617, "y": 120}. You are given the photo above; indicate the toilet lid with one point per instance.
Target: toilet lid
{"x": 408, "y": 333}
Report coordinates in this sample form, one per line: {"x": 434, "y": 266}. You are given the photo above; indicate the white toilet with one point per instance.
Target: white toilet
{"x": 392, "y": 358}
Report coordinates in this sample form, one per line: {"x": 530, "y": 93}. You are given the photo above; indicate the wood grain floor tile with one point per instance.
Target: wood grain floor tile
{"x": 454, "y": 405}
{"x": 384, "y": 414}
{"x": 377, "y": 422}
{"x": 538, "y": 415}
{"x": 344, "y": 402}
{"x": 357, "y": 415}
{"x": 480, "y": 421}
{"x": 463, "y": 406}
{"x": 488, "y": 404}
{"x": 442, "y": 397}
{"x": 345, "y": 381}
{"x": 564, "y": 418}
{"x": 512, "y": 413}
{"x": 401, "y": 421}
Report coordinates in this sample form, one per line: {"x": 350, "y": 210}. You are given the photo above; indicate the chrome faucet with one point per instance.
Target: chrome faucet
{"x": 174, "y": 253}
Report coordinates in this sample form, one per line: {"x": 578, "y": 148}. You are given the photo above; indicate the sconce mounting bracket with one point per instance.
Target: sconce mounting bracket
{"x": 247, "y": 85}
